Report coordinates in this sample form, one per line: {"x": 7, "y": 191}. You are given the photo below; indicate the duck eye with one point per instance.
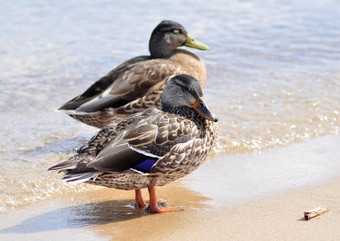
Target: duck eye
{"x": 186, "y": 88}
{"x": 176, "y": 31}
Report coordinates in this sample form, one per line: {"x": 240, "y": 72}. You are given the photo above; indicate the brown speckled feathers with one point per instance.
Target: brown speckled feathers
{"x": 177, "y": 138}
{"x": 137, "y": 84}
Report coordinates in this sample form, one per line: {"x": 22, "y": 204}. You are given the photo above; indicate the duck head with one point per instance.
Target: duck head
{"x": 167, "y": 36}
{"x": 185, "y": 90}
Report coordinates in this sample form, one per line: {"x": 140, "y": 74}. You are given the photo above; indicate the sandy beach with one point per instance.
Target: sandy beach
{"x": 273, "y": 80}
{"x": 221, "y": 214}
{"x": 277, "y": 217}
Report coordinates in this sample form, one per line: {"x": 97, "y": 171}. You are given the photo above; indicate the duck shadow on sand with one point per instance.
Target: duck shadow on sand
{"x": 76, "y": 216}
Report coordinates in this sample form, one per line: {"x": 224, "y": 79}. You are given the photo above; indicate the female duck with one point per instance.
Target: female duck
{"x": 150, "y": 148}
{"x": 137, "y": 84}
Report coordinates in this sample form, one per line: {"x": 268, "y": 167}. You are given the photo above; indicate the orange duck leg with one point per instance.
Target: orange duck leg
{"x": 139, "y": 199}
{"x": 153, "y": 206}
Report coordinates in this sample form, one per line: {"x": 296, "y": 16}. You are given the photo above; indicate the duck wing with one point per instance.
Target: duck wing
{"x": 149, "y": 138}
{"x": 170, "y": 130}
{"x": 129, "y": 81}
{"x": 102, "y": 84}
{"x": 118, "y": 155}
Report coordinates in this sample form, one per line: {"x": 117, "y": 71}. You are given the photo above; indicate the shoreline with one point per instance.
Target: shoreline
{"x": 258, "y": 196}
{"x": 274, "y": 217}
{"x": 278, "y": 216}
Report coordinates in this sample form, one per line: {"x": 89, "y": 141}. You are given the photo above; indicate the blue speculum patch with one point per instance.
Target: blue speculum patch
{"x": 146, "y": 165}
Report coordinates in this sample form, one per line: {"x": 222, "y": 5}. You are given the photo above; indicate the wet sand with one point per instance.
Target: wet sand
{"x": 278, "y": 217}
{"x": 267, "y": 213}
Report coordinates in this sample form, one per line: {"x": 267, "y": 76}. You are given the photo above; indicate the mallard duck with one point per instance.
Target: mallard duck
{"x": 137, "y": 84}
{"x": 150, "y": 148}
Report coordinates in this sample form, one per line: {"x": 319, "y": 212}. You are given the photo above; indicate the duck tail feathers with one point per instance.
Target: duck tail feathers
{"x": 80, "y": 177}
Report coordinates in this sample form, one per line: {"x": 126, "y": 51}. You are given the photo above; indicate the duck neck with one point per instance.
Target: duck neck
{"x": 186, "y": 112}
{"x": 160, "y": 49}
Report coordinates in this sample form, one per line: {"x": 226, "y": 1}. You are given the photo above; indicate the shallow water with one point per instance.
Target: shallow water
{"x": 245, "y": 176}
{"x": 273, "y": 76}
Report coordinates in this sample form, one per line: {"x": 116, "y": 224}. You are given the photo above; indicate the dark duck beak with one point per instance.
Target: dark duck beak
{"x": 204, "y": 111}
